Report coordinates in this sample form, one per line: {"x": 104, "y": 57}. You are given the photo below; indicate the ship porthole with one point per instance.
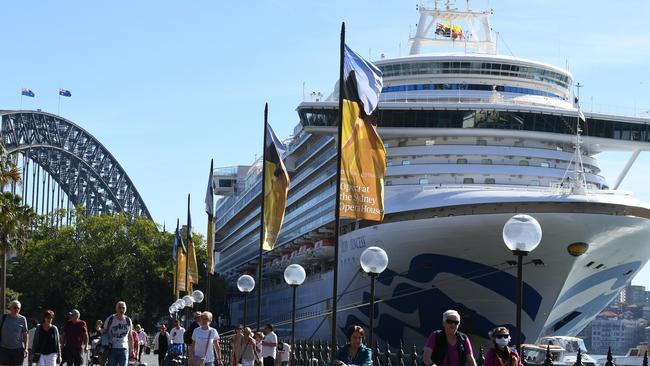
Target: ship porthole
{"x": 577, "y": 249}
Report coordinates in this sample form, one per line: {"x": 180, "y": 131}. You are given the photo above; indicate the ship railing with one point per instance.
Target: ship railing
{"x": 553, "y": 188}
{"x": 476, "y": 98}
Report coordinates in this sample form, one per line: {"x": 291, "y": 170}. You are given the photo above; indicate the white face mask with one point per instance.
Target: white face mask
{"x": 502, "y": 341}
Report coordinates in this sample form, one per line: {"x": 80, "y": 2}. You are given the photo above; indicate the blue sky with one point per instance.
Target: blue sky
{"x": 168, "y": 85}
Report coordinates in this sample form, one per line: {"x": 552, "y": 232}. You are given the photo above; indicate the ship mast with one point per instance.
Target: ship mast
{"x": 452, "y": 27}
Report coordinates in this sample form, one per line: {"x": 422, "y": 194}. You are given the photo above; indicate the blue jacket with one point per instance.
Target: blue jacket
{"x": 363, "y": 358}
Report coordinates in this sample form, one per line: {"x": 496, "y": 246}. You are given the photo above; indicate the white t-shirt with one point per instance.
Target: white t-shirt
{"x": 268, "y": 351}
{"x": 202, "y": 338}
{"x": 177, "y": 334}
{"x": 119, "y": 331}
{"x": 286, "y": 351}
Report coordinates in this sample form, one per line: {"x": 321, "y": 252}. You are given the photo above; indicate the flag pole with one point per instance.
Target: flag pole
{"x": 176, "y": 289}
{"x": 210, "y": 242}
{"x": 187, "y": 255}
{"x": 335, "y": 279}
{"x": 58, "y": 110}
{"x": 259, "y": 265}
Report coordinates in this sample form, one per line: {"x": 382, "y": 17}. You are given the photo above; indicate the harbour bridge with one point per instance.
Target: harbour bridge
{"x": 64, "y": 166}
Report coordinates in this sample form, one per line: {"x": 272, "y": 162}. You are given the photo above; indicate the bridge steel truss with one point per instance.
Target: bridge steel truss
{"x": 79, "y": 164}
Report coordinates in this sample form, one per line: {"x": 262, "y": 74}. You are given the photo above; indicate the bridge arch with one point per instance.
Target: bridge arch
{"x": 82, "y": 168}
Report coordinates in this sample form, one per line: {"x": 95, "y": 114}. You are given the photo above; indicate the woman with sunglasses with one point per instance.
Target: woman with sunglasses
{"x": 448, "y": 346}
{"x": 500, "y": 354}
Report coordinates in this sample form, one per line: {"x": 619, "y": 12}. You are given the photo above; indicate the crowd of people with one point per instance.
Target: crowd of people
{"x": 122, "y": 343}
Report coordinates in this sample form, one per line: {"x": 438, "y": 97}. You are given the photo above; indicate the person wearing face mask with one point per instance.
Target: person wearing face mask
{"x": 500, "y": 354}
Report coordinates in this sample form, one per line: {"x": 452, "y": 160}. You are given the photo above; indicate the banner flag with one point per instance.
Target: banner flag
{"x": 209, "y": 209}
{"x": 193, "y": 268}
{"x": 276, "y": 187}
{"x": 179, "y": 262}
{"x": 363, "y": 155}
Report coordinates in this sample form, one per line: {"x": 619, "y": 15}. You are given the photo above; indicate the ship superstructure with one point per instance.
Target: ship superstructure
{"x": 471, "y": 139}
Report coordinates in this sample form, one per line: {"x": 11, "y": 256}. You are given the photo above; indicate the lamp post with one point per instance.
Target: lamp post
{"x": 187, "y": 302}
{"x": 521, "y": 234}
{"x": 294, "y": 276}
{"x": 245, "y": 284}
{"x": 374, "y": 261}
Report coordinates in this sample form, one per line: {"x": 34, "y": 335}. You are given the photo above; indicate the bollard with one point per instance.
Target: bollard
{"x": 414, "y": 355}
{"x": 388, "y": 356}
{"x": 578, "y": 359}
{"x": 548, "y": 360}
{"x": 610, "y": 359}
{"x": 481, "y": 356}
{"x": 400, "y": 354}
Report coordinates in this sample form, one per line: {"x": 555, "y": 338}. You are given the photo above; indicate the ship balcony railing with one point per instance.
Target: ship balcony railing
{"x": 475, "y": 98}
{"x": 556, "y": 188}
{"x": 314, "y": 149}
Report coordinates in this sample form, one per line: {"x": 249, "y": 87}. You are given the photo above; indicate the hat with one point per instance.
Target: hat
{"x": 74, "y": 312}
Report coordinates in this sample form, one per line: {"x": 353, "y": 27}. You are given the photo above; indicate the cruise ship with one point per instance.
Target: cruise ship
{"x": 472, "y": 138}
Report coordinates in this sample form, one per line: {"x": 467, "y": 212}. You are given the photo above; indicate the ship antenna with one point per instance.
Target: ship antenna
{"x": 580, "y": 180}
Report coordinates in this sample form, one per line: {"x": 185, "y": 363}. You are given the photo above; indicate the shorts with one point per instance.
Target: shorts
{"x": 12, "y": 357}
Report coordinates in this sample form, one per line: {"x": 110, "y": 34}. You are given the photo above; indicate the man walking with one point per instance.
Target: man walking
{"x": 177, "y": 332}
{"x": 269, "y": 345}
{"x": 13, "y": 334}
{"x": 118, "y": 328}
{"x": 75, "y": 339}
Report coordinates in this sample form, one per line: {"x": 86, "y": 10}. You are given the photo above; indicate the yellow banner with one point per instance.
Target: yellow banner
{"x": 276, "y": 184}
{"x": 363, "y": 167}
{"x": 179, "y": 272}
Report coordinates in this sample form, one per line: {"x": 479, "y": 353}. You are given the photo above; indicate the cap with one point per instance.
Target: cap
{"x": 74, "y": 312}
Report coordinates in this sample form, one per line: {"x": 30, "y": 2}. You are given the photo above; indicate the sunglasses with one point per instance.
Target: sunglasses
{"x": 451, "y": 321}
{"x": 502, "y": 336}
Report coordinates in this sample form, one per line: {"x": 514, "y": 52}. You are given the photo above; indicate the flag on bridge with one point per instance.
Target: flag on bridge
{"x": 27, "y": 92}
{"x": 64, "y": 93}
{"x": 363, "y": 155}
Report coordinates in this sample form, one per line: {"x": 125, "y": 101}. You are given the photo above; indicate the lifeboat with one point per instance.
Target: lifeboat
{"x": 302, "y": 257}
{"x": 323, "y": 249}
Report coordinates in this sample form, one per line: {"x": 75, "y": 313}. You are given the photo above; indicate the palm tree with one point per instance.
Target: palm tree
{"x": 15, "y": 220}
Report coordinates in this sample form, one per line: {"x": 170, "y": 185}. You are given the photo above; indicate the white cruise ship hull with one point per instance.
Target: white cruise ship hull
{"x": 459, "y": 261}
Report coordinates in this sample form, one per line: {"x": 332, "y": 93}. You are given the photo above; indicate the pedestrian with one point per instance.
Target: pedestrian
{"x": 500, "y": 354}
{"x": 249, "y": 349}
{"x": 354, "y": 352}
{"x": 187, "y": 337}
{"x": 142, "y": 340}
{"x": 161, "y": 343}
{"x": 283, "y": 354}
{"x": 117, "y": 329}
{"x": 46, "y": 349}
{"x": 269, "y": 345}
{"x": 134, "y": 347}
{"x": 259, "y": 337}
{"x": 97, "y": 332}
{"x": 237, "y": 344}
{"x": 75, "y": 339}
{"x": 177, "y": 333}
{"x": 205, "y": 343}
{"x": 30, "y": 334}
{"x": 448, "y": 346}
{"x": 13, "y": 336}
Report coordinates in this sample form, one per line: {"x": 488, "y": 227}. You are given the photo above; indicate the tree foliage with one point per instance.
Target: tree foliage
{"x": 96, "y": 262}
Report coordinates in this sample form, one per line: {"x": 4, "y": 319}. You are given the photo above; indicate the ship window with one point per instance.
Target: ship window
{"x": 468, "y": 180}
{"x": 524, "y": 162}
{"x": 489, "y": 181}
{"x": 486, "y": 161}
{"x": 401, "y": 143}
{"x": 389, "y": 182}
{"x": 544, "y": 164}
{"x": 406, "y": 162}
{"x": 424, "y": 181}
{"x": 481, "y": 142}
{"x": 389, "y": 163}
{"x": 461, "y": 161}
{"x": 429, "y": 142}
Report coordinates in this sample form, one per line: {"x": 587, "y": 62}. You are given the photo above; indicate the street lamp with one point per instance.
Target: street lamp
{"x": 245, "y": 284}
{"x": 522, "y": 234}
{"x": 374, "y": 261}
{"x": 197, "y": 296}
{"x": 294, "y": 276}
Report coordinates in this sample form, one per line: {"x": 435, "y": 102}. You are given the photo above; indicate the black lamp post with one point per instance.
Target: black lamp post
{"x": 374, "y": 261}
{"x": 522, "y": 234}
{"x": 294, "y": 276}
{"x": 245, "y": 284}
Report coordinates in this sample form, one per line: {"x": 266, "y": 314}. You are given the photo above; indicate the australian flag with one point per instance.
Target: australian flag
{"x": 65, "y": 93}
{"x": 27, "y": 92}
